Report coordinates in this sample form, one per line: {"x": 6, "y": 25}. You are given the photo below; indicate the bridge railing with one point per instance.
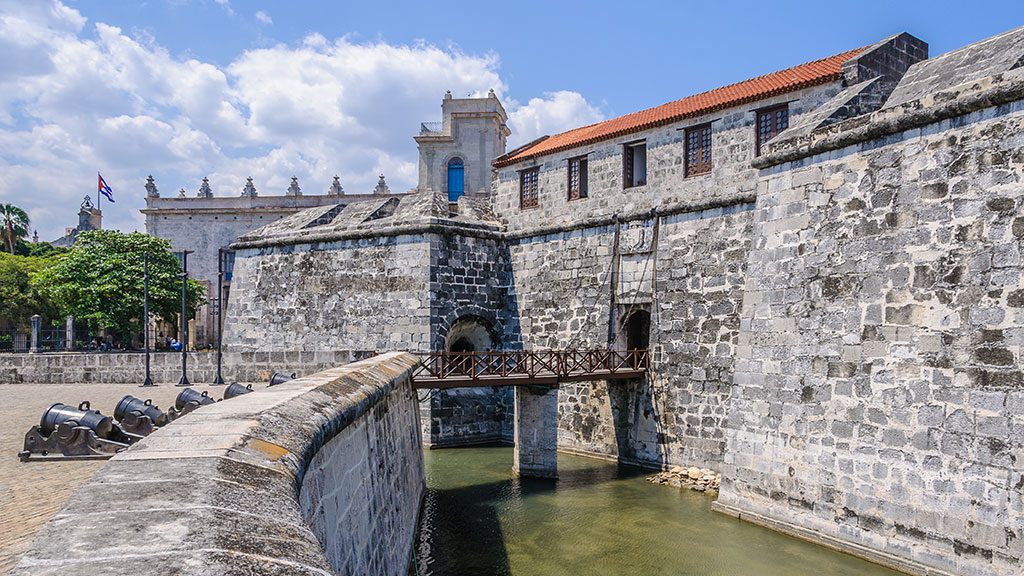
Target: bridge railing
{"x": 557, "y": 364}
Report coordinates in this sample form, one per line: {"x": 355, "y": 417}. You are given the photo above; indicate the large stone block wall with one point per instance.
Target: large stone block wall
{"x": 319, "y": 475}
{"x": 365, "y": 294}
{"x": 165, "y": 367}
{"x": 879, "y": 392}
{"x": 470, "y": 279}
{"x": 467, "y": 416}
{"x": 361, "y": 493}
{"x": 563, "y": 290}
{"x": 377, "y": 294}
{"x": 562, "y": 262}
{"x": 206, "y": 225}
{"x": 536, "y": 451}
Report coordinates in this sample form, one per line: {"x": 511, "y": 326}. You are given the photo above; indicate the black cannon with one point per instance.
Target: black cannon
{"x": 138, "y": 416}
{"x": 189, "y": 399}
{"x": 236, "y": 389}
{"x": 279, "y": 378}
{"x": 68, "y": 432}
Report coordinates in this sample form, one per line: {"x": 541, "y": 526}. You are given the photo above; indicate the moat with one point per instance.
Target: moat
{"x": 599, "y": 518}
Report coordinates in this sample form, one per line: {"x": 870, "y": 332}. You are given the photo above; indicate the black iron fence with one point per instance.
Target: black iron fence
{"x": 55, "y": 339}
{"x": 15, "y": 340}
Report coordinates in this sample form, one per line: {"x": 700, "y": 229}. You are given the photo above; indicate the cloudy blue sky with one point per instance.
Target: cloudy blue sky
{"x": 182, "y": 89}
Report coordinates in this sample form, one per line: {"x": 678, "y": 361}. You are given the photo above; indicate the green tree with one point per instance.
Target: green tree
{"x": 13, "y": 225}
{"x": 100, "y": 279}
{"x": 37, "y": 249}
{"x": 19, "y": 299}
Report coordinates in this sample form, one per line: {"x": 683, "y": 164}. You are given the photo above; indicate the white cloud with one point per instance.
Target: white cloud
{"x": 226, "y": 5}
{"x": 264, "y": 17}
{"x": 553, "y": 113}
{"x": 80, "y": 98}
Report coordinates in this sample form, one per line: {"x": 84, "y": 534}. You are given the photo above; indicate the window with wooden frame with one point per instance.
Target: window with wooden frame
{"x": 528, "y": 183}
{"x": 577, "y": 178}
{"x": 770, "y": 122}
{"x": 698, "y": 150}
{"x": 634, "y": 164}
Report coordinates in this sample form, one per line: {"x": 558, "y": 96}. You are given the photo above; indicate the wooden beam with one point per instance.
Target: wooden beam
{"x": 490, "y": 381}
{"x": 483, "y": 381}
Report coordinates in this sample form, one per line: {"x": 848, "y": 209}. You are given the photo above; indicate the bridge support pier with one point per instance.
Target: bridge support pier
{"x": 536, "y": 432}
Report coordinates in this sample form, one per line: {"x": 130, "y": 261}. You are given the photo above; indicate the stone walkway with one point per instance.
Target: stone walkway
{"x": 32, "y": 492}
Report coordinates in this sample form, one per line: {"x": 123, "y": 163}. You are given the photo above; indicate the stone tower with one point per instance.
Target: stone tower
{"x": 456, "y": 154}
{"x": 89, "y": 216}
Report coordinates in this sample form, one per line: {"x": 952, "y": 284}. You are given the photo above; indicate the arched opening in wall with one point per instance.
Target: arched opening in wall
{"x": 469, "y": 334}
{"x": 636, "y": 330}
{"x": 633, "y": 412}
{"x": 456, "y": 179}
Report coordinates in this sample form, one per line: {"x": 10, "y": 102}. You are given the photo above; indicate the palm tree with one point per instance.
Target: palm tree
{"x": 14, "y": 222}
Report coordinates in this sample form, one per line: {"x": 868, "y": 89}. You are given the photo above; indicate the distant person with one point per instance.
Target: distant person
{"x": 175, "y": 345}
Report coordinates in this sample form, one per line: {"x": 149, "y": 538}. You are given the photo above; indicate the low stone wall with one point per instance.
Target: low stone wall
{"x": 320, "y": 475}
{"x": 165, "y": 367}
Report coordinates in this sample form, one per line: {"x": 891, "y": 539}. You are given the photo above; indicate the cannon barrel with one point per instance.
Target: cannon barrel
{"x": 188, "y": 395}
{"x": 58, "y": 414}
{"x": 279, "y": 378}
{"x": 145, "y": 407}
{"x": 236, "y": 389}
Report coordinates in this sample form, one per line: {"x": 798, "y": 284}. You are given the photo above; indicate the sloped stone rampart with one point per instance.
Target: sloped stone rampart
{"x": 321, "y": 475}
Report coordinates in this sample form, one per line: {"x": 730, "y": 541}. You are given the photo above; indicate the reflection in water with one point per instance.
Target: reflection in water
{"x": 598, "y": 518}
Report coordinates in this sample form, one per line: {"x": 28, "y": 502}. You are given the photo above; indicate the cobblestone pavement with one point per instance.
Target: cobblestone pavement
{"x": 32, "y": 492}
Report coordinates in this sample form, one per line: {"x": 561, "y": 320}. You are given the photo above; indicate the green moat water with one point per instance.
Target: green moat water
{"x": 599, "y": 518}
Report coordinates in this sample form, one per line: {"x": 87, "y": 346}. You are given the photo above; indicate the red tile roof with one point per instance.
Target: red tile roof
{"x": 781, "y": 82}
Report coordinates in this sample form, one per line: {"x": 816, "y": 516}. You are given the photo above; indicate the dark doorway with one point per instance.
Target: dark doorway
{"x": 638, "y": 330}
{"x": 463, "y": 345}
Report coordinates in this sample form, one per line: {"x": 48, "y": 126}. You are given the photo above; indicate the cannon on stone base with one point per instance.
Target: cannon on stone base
{"x": 65, "y": 432}
{"x": 279, "y": 378}
{"x": 137, "y": 416}
{"x": 188, "y": 400}
{"x": 236, "y": 389}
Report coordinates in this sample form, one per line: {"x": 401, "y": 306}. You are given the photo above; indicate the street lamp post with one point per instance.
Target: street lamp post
{"x": 220, "y": 314}
{"x": 145, "y": 314}
{"x": 184, "y": 318}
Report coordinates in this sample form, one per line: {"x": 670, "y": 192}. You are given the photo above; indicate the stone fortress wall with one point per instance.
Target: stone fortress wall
{"x": 320, "y": 475}
{"x": 689, "y": 279}
{"x": 283, "y": 301}
{"x": 204, "y": 225}
{"x": 833, "y": 323}
{"x": 563, "y": 256}
{"x": 878, "y": 395}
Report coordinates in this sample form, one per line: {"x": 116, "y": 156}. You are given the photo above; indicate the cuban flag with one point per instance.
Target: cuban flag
{"x": 104, "y": 188}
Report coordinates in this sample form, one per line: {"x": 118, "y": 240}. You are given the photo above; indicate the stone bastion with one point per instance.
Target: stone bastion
{"x": 320, "y": 475}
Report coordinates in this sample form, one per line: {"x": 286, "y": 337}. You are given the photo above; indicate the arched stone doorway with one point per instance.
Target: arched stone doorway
{"x": 637, "y": 330}
{"x": 469, "y": 334}
{"x": 468, "y": 416}
{"x": 630, "y": 400}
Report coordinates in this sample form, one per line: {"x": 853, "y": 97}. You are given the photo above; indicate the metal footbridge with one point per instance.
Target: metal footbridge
{"x": 527, "y": 368}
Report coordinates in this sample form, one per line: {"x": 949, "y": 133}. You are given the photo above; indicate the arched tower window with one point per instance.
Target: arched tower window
{"x": 456, "y": 179}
